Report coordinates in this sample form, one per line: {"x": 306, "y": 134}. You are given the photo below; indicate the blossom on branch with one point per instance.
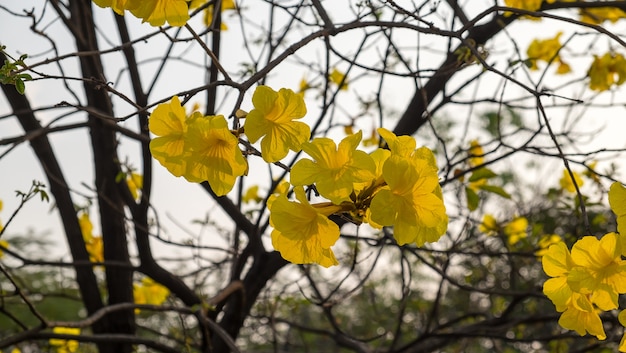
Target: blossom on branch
{"x": 273, "y": 120}
{"x": 303, "y": 233}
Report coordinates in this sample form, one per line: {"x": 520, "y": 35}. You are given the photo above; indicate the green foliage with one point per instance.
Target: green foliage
{"x": 10, "y": 72}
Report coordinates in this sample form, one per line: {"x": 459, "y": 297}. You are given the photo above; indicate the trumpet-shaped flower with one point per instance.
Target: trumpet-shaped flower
{"x": 557, "y": 263}
{"x": 582, "y": 317}
{"x": 547, "y": 50}
{"x": 411, "y": 203}
{"x": 516, "y": 230}
{"x": 334, "y": 169}
{"x": 273, "y": 120}
{"x": 168, "y": 123}
{"x": 302, "y": 233}
{"x": 62, "y": 345}
{"x": 149, "y": 292}
{"x": 617, "y": 201}
{"x": 607, "y": 70}
{"x": 600, "y": 272}
{"x": 567, "y": 183}
{"x": 157, "y": 12}
{"x": 214, "y": 154}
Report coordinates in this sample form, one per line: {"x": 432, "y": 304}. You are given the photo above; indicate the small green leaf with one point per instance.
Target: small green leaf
{"x": 496, "y": 190}
{"x": 472, "y": 199}
{"x": 19, "y": 86}
{"x": 482, "y": 173}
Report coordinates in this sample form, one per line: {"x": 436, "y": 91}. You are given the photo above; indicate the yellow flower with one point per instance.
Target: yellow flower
{"x": 411, "y": 203}
{"x": 476, "y": 154}
{"x": 600, "y": 272}
{"x": 304, "y": 86}
{"x": 333, "y": 170}
{"x": 339, "y": 78}
{"x": 135, "y": 183}
{"x": 557, "y": 263}
{"x": 489, "y": 225}
{"x": 168, "y": 123}
{"x": 581, "y": 316}
{"x": 607, "y": 70}
{"x": 302, "y": 234}
{"x": 149, "y": 292}
{"x": 617, "y": 201}
{"x": 547, "y": 50}
{"x": 545, "y": 242}
{"x": 94, "y": 244}
{"x": 566, "y": 181}
{"x": 516, "y": 230}
{"x": 597, "y": 15}
{"x": 157, "y": 12}
{"x": 252, "y": 194}
{"x": 62, "y": 345}
{"x": 3, "y": 245}
{"x": 214, "y": 154}
{"x": 208, "y": 11}
{"x": 117, "y": 5}
{"x": 86, "y": 227}
{"x": 273, "y": 119}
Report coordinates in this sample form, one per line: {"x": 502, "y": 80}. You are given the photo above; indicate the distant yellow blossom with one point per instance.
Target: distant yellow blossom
{"x": 547, "y": 50}
{"x": 476, "y": 154}
{"x": 597, "y": 15}
{"x": 62, "y": 345}
{"x": 252, "y": 195}
{"x": 149, "y": 292}
{"x": 516, "y": 230}
{"x": 566, "y": 181}
{"x": 607, "y": 70}
{"x": 339, "y": 78}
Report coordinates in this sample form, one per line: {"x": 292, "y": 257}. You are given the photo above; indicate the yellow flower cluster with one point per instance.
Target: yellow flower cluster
{"x": 62, "y": 345}
{"x": 199, "y": 148}
{"x": 155, "y": 12}
{"x": 149, "y": 292}
{"x": 397, "y": 187}
{"x": 515, "y": 230}
{"x": 589, "y": 279}
{"x": 607, "y": 70}
{"x": 547, "y": 50}
{"x": 597, "y": 15}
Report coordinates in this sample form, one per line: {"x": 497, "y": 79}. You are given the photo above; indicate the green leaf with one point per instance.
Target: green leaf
{"x": 496, "y": 190}
{"x": 472, "y": 199}
{"x": 19, "y": 86}
{"x": 482, "y": 173}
